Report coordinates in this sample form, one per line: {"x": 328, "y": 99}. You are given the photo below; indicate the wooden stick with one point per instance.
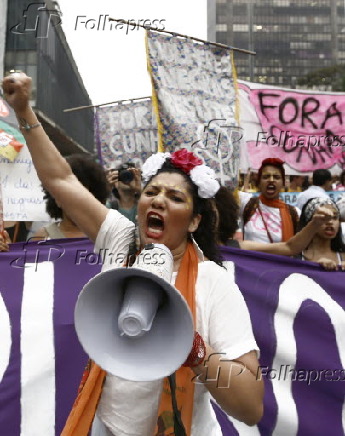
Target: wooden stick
{"x": 104, "y": 104}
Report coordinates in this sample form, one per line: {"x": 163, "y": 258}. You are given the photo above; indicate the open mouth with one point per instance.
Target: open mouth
{"x": 154, "y": 225}
{"x": 270, "y": 189}
{"x": 329, "y": 231}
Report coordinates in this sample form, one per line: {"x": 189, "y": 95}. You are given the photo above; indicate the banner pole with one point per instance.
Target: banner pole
{"x": 129, "y": 100}
{"x": 217, "y": 44}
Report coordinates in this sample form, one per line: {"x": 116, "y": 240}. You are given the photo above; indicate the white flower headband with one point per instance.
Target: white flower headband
{"x": 201, "y": 175}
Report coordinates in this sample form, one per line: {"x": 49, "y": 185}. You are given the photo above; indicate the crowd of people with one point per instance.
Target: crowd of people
{"x": 175, "y": 200}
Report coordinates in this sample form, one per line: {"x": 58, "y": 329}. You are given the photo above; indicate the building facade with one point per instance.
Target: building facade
{"x": 290, "y": 38}
{"x": 36, "y": 44}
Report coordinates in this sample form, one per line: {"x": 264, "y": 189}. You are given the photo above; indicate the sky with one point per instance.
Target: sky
{"x": 112, "y": 63}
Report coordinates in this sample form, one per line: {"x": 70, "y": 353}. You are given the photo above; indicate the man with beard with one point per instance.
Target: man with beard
{"x": 267, "y": 218}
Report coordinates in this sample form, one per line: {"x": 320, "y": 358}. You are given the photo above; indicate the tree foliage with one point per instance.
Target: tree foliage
{"x": 332, "y": 77}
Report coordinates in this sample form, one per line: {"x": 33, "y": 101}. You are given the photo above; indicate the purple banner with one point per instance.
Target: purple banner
{"x": 41, "y": 361}
{"x": 297, "y": 311}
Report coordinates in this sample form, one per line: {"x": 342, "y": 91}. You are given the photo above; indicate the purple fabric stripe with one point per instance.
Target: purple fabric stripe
{"x": 70, "y": 357}
{"x": 259, "y": 276}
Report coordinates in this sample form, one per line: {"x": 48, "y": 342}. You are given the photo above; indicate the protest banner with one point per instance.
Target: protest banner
{"x": 297, "y": 312}
{"x": 291, "y": 197}
{"x": 303, "y": 128}
{"x": 298, "y": 318}
{"x": 195, "y": 101}
{"x": 125, "y": 132}
{"x": 21, "y": 188}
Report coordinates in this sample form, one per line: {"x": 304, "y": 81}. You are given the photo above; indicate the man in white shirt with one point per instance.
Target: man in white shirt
{"x": 322, "y": 182}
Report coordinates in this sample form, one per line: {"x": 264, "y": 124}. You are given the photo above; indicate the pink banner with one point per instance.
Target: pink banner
{"x": 304, "y": 129}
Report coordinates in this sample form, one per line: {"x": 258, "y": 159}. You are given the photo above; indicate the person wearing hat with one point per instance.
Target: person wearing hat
{"x": 267, "y": 218}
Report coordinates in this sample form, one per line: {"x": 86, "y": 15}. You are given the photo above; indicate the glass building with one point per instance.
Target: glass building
{"x": 290, "y": 38}
{"x": 36, "y": 44}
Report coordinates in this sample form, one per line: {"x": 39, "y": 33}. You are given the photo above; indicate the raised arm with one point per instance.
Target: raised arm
{"x": 294, "y": 245}
{"x": 52, "y": 169}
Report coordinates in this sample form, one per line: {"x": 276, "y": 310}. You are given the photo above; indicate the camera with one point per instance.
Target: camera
{"x": 126, "y": 175}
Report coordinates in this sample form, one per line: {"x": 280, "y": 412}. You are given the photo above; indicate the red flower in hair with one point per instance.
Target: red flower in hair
{"x": 185, "y": 160}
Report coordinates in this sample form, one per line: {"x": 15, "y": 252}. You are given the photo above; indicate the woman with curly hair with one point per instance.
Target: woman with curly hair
{"x": 91, "y": 175}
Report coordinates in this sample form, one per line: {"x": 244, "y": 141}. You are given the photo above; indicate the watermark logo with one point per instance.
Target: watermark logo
{"x": 219, "y": 370}
{"x": 102, "y": 22}
{"x": 33, "y": 254}
{"x": 37, "y": 19}
{"x": 217, "y": 132}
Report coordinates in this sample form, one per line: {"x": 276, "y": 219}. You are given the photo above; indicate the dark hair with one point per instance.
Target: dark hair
{"x": 320, "y": 177}
{"x": 123, "y": 166}
{"x": 206, "y": 233}
{"x": 337, "y": 242}
{"x": 228, "y": 213}
{"x": 274, "y": 162}
{"x": 90, "y": 174}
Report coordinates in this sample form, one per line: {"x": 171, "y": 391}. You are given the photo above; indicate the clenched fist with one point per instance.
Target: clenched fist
{"x": 17, "y": 91}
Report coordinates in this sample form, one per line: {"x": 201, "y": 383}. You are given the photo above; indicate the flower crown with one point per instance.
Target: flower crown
{"x": 201, "y": 175}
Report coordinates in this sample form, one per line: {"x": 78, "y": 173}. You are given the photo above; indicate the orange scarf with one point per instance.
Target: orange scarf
{"x": 84, "y": 408}
{"x": 287, "y": 224}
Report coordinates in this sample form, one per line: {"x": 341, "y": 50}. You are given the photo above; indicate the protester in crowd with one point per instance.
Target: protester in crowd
{"x": 295, "y": 184}
{"x": 250, "y": 181}
{"x": 17, "y": 230}
{"x": 174, "y": 204}
{"x": 92, "y": 176}
{"x": 341, "y": 206}
{"x": 326, "y": 247}
{"x": 306, "y": 183}
{"x": 322, "y": 182}
{"x": 267, "y": 218}
{"x": 125, "y": 182}
{"x": 5, "y": 240}
{"x": 341, "y": 185}
{"x": 228, "y": 211}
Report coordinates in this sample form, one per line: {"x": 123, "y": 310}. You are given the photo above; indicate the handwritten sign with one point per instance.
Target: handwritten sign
{"x": 125, "y": 132}
{"x": 304, "y": 129}
{"x": 195, "y": 89}
{"x": 22, "y": 194}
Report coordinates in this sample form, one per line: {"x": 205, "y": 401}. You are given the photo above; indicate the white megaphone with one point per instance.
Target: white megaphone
{"x": 132, "y": 322}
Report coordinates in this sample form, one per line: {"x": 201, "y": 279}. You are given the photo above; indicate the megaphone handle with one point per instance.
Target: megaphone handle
{"x": 179, "y": 429}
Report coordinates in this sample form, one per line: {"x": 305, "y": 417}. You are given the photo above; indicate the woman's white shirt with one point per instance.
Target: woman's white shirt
{"x": 130, "y": 408}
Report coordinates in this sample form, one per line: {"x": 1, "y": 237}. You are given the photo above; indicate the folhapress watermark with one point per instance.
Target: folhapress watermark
{"x": 217, "y": 131}
{"x": 219, "y": 370}
{"x": 37, "y": 19}
{"x": 289, "y": 141}
{"x": 104, "y": 255}
{"x": 102, "y": 23}
{"x": 290, "y": 373}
